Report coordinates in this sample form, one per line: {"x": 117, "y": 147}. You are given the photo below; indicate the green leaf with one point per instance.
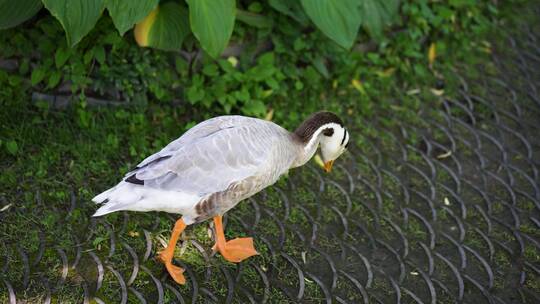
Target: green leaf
{"x": 319, "y": 64}
{"x": 54, "y": 79}
{"x": 99, "y": 53}
{"x": 256, "y": 20}
{"x": 462, "y": 3}
{"x": 88, "y": 56}
{"x": 376, "y": 14}
{"x": 195, "y": 94}
{"x": 255, "y": 108}
{"x": 61, "y": 56}
{"x": 12, "y": 147}
{"x": 181, "y": 65}
{"x": 212, "y": 23}
{"x": 339, "y": 20}
{"x": 13, "y": 13}
{"x": 210, "y": 70}
{"x": 77, "y": 17}
{"x": 125, "y": 13}
{"x": 25, "y": 66}
{"x": 37, "y": 75}
{"x": 255, "y": 7}
{"x": 164, "y": 28}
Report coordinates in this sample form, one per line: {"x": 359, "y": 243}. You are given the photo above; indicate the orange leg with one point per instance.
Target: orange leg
{"x": 235, "y": 250}
{"x": 167, "y": 254}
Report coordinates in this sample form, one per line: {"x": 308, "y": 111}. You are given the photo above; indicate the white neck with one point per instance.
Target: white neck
{"x": 307, "y": 151}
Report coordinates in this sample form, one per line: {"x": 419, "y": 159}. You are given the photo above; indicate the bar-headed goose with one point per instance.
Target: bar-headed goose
{"x": 217, "y": 164}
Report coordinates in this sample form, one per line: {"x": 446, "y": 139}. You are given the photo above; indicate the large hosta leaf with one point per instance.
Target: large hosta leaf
{"x": 291, "y": 8}
{"x": 77, "y": 17}
{"x": 164, "y": 28}
{"x": 13, "y": 13}
{"x": 338, "y": 20}
{"x": 125, "y": 13}
{"x": 376, "y": 14}
{"x": 212, "y": 22}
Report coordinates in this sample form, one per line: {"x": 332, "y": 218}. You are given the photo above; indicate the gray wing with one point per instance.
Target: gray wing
{"x": 212, "y": 155}
{"x": 203, "y": 129}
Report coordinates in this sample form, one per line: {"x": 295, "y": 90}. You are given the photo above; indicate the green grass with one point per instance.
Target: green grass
{"x": 58, "y": 154}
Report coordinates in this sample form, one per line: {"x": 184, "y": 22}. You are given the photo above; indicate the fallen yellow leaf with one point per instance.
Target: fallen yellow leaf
{"x": 233, "y": 61}
{"x": 446, "y": 201}
{"x": 432, "y": 53}
{"x": 6, "y": 207}
{"x": 269, "y": 115}
{"x": 437, "y": 92}
{"x": 318, "y": 160}
{"x": 357, "y": 84}
{"x": 445, "y": 155}
{"x": 413, "y": 92}
{"x": 486, "y": 50}
{"x": 133, "y": 234}
{"x": 386, "y": 73}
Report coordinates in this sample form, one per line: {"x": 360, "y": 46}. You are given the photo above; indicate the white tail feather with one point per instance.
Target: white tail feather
{"x": 128, "y": 196}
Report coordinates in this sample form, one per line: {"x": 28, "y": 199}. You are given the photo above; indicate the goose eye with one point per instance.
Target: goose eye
{"x": 347, "y": 146}
{"x": 328, "y": 132}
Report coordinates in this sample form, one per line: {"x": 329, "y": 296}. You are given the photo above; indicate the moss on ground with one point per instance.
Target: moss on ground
{"x": 59, "y": 155}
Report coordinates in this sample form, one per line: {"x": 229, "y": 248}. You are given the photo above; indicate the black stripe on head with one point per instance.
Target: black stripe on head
{"x": 344, "y": 136}
{"x": 134, "y": 180}
{"x": 305, "y": 131}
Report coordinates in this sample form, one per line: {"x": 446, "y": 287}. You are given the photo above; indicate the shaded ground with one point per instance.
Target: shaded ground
{"x": 441, "y": 206}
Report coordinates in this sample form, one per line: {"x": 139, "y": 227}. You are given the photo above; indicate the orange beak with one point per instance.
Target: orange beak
{"x": 328, "y": 166}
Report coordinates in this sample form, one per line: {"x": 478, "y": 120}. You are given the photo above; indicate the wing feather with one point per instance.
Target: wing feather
{"x": 211, "y": 156}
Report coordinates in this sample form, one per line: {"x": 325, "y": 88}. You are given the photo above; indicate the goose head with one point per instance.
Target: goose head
{"x": 325, "y": 129}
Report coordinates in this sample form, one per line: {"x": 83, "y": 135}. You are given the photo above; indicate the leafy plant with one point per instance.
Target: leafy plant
{"x": 284, "y": 62}
{"x": 13, "y": 13}
{"x": 164, "y": 25}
